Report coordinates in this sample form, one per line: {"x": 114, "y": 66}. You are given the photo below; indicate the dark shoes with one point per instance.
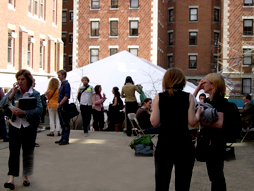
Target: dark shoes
{"x": 9, "y": 185}
{"x": 26, "y": 183}
{"x": 64, "y": 143}
{"x": 36, "y": 145}
{"x": 57, "y": 142}
{"x": 50, "y": 134}
{"x": 59, "y": 134}
{"x": 6, "y": 140}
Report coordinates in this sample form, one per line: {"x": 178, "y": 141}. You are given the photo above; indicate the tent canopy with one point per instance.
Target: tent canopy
{"x": 112, "y": 71}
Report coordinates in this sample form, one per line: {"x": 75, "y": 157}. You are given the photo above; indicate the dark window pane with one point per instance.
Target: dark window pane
{"x": 113, "y": 28}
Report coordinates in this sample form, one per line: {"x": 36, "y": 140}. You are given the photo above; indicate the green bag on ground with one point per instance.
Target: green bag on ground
{"x": 142, "y": 94}
{"x": 145, "y": 139}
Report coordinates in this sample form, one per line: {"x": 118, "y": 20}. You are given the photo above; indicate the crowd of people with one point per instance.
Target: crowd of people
{"x": 168, "y": 115}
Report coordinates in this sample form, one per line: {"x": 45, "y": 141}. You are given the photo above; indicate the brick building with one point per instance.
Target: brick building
{"x": 237, "y": 46}
{"x": 30, "y": 39}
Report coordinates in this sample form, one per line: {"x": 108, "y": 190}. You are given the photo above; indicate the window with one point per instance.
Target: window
{"x": 215, "y": 62}
{"x": 64, "y": 16}
{"x": 35, "y": 7}
{"x": 193, "y": 14}
{"x": 216, "y": 38}
{"x": 94, "y": 55}
{"x": 95, "y": 28}
{"x": 248, "y": 2}
{"x": 170, "y": 13}
{"x": 216, "y": 15}
{"x": 133, "y": 28}
{"x": 133, "y": 3}
{"x": 10, "y": 48}
{"x": 29, "y": 6}
{"x": 42, "y": 8}
{"x": 114, "y": 3}
{"x": 64, "y": 61}
{"x": 64, "y": 38}
{"x": 113, "y": 28}
{"x": 42, "y": 50}
{"x": 170, "y": 38}
{"x": 248, "y": 27}
{"x": 12, "y": 2}
{"x": 71, "y": 15}
{"x": 70, "y": 60}
{"x": 133, "y": 51}
{"x": 246, "y": 86}
{"x": 170, "y": 61}
{"x": 192, "y": 62}
{"x": 54, "y": 11}
{"x": 29, "y": 52}
{"x": 247, "y": 56}
{"x": 193, "y": 38}
{"x": 70, "y": 38}
{"x": 113, "y": 51}
{"x": 95, "y": 4}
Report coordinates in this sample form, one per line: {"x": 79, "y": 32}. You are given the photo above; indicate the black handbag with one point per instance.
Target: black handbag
{"x": 229, "y": 153}
{"x": 202, "y": 148}
{"x": 72, "y": 110}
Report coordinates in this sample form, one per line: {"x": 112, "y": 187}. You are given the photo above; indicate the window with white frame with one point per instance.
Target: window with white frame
{"x": 133, "y": 28}
{"x": 94, "y": 28}
{"x": 247, "y": 56}
{"x": 70, "y": 38}
{"x": 94, "y": 55}
{"x": 134, "y": 51}
{"x": 29, "y": 52}
{"x": 192, "y": 61}
{"x": 215, "y": 62}
{"x": 193, "y": 38}
{"x": 113, "y": 51}
{"x": 246, "y": 85}
{"x": 216, "y": 15}
{"x": 216, "y": 38}
{"x": 64, "y": 16}
{"x": 70, "y": 60}
{"x": 170, "y": 61}
{"x": 42, "y": 9}
{"x": 114, "y": 4}
{"x": 64, "y": 38}
{"x": 55, "y": 60}
{"x": 170, "y": 36}
{"x": 248, "y": 2}
{"x": 171, "y": 15}
{"x": 54, "y": 11}
{"x": 193, "y": 14}
{"x": 42, "y": 53}
{"x": 30, "y": 6}
{"x": 247, "y": 27}
{"x": 134, "y": 4}
{"x": 64, "y": 61}
{"x": 10, "y": 48}
{"x": 12, "y": 3}
{"x": 71, "y": 15}
{"x": 95, "y": 4}
{"x": 113, "y": 28}
{"x": 35, "y": 7}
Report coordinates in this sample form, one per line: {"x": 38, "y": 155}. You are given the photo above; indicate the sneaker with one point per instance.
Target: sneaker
{"x": 86, "y": 134}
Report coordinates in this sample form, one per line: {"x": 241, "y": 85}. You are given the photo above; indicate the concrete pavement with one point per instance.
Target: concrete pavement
{"x": 104, "y": 162}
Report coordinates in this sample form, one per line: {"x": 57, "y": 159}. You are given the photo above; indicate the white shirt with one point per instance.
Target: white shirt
{"x": 22, "y": 121}
{"x": 86, "y": 96}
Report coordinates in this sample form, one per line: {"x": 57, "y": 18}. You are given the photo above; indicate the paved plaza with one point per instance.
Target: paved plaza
{"x": 104, "y": 162}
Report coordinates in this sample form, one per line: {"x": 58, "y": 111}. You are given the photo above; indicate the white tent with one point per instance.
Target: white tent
{"x": 112, "y": 71}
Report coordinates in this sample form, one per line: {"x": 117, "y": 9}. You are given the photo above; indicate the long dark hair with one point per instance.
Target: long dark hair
{"x": 96, "y": 89}
{"x": 128, "y": 80}
{"x": 145, "y": 101}
{"x": 116, "y": 91}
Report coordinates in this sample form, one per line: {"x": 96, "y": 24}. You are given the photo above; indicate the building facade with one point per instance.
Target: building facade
{"x": 30, "y": 39}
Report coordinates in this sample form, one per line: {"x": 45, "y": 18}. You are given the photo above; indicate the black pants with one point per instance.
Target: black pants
{"x": 98, "y": 119}
{"x": 25, "y": 137}
{"x": 86, "y": 112}
{"x": 130, "y": 107}
{"x": 64, "y": 122}
{"x": 164, "y": 161}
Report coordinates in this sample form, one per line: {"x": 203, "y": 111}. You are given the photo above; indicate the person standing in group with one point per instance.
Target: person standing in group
{"x": 85, "y": 93}
{"x": 115, "y": 108}
{"x": 173, "y": 109}
{"x": 63, "y": 101}
{"x": 98, "y": 113}
{"x": 131, "y": 105}
{"x": 247, "y": 112}
{"x": 3, "y": 130}
{"x": 214, "y": 85}
{"x": 22, "y": 127}
{"x": 52, "y": 96}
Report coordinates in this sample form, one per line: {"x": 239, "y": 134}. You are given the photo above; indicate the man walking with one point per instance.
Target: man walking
{"x": 63, "y": 100}
{"x": 86, "y": 92}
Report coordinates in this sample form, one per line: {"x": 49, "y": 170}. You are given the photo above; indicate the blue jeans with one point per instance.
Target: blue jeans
{"x": 153, "y": 130}
{"x": 65, "y": 124}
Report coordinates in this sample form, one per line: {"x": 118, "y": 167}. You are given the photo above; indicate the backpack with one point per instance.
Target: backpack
{"x": 120, "y": 103}
{"x": 232, "y": 125}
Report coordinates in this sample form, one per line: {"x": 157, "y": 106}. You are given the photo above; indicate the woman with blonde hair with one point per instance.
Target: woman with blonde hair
{"x": 214, "y": 85}
{"x": 52, "y": 96}
{"x": 174, "y": 109}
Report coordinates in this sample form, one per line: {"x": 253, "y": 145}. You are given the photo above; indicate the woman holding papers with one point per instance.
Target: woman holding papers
{"x": 22, "y": 127}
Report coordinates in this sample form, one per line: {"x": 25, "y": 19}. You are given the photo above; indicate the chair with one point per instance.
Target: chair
{"x": 247, "y": 131}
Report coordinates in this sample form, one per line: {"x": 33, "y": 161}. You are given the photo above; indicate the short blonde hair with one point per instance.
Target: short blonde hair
{"x": 53, "y": 83}
{"x": 219, "y": 84}
{"x": 173, "y": 80}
